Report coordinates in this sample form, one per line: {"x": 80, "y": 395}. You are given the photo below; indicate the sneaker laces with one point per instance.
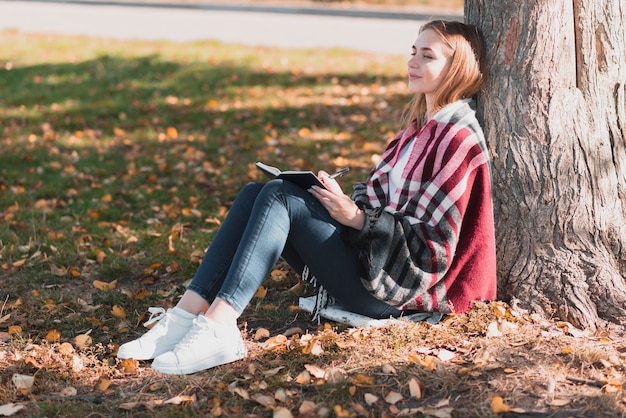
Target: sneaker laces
{"x": 194, "y": 333}
{"x": 156, "y": 314}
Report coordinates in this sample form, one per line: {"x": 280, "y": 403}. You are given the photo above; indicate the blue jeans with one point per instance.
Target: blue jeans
{"x": 274, "y": 219}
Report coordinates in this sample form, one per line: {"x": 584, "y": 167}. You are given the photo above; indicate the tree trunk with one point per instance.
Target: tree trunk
{"x": 554, "y": 115}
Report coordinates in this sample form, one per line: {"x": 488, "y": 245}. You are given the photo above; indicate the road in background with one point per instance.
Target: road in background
{"x": 371, "y": 31}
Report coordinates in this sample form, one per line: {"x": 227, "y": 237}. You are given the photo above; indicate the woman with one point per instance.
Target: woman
{"x": 416, "y": 236}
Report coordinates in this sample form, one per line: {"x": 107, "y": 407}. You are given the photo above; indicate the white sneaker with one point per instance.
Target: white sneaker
{"x": 206, "y": 345}
{"x": 163, "y": 336}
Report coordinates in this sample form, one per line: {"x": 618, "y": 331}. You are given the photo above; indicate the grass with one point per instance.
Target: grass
{"x": 119, "y": 161}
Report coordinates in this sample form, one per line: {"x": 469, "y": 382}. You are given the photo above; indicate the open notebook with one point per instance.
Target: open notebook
{"x": 337, "y": 313}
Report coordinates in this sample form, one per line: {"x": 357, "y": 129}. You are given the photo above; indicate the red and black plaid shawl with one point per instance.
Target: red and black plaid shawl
{"x": 432, "y": 247}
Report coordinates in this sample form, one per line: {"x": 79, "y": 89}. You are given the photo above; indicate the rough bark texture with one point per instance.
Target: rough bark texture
{"x": 554, "y": 115}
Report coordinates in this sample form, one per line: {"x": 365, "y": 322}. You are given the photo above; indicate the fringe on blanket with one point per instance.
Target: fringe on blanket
{"x": 322, "y": 299}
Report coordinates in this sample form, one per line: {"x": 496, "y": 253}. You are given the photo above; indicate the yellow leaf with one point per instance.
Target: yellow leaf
{"x": 278, "y": 275}
{"x": 19, "y": 263}
{"x": 94, "y": 321}
{"x": 261, "y": 292}
{"x": 498, "y": 406}
{"x": 362, "y": 379}
{"x": 340, "y": 412}
{"x": 129, "y": 366}
{"x": 15, "y": 330}
{"x": 104, "y": 286}
{"x": 103, "y": 384}
{"x": 142, "y": 293}
{"x": 53, "y": 336}
{"x": 74, "y": 272}
{"x": 100, "y": 255}
{"x": 107, "y": 198}
{"x": 172, "y": 132}
{"x": 118, "y": 312}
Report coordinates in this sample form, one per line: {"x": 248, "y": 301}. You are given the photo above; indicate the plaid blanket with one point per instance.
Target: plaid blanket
{"x": 431, "y": 246}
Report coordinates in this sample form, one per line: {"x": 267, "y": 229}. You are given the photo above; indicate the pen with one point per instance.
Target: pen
{"x": 339, "y": 173}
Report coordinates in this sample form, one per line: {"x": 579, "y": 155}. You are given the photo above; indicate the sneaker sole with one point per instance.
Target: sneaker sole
{"x": 200, "y": 365}
{"x": 126, "y": 355}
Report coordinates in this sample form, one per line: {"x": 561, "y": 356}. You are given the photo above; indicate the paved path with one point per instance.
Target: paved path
{"x": 373, "y": 31}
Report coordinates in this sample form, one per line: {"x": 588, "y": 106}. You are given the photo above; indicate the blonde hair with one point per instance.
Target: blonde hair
{"x": 465, "y": 76}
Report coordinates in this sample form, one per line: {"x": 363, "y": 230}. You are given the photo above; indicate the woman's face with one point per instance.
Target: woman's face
{"x": 429, "y": 64}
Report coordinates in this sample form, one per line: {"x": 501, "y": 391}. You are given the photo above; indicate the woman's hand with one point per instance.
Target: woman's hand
{"x": 339, "y": 205}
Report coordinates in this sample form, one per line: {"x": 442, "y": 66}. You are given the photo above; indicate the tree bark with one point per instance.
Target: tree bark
{"x": 554, "y": 116}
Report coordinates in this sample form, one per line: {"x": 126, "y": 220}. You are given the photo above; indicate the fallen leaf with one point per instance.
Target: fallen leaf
{"x": 362, "y": 379}
{"x": 239, "y": 391}
{"x": 416, "y": 388}
{"x": 307, "y": 408}
{"x": 23, "y": 382}
{"x": 53, "y": 336}
{"x": 445, "y": 355}
{"x": 261, "y": 333}
{"x": 272, "y": 372}
{"x": 493, "y": 331}
{"x": 282, "y": 412}
{"x": 10, "y": 408}
{"x": 100, "y": 256}
{"x": 104, "y": 286}
{"x": 118, "y": 312}
{"x": 66, "y": 349}
{"x": 335, "y": 375}
{"x": 315, "y": 371}
{"x": 276, "y": 342}
{"x": 58, "y": 271}
{"x": 281, "y": 395}
{"x": 389, "y": 369}
{"x": 177, "y": 400}
{"x": 498, "y": 406}
{"x": 83, "y": 341}
{"x": 313, "y": 347}
{"x": 340, "y": 412}
{"x": 393, "y": 397}
{"x": 19, "y": 263}
{"x": 304, "y": 378}
{"x": 14, "y": 330}
{"x": 129, "y": 366}
{"x": 68, "y": 391}
{"x": 261, "y": 292}
{"x": 370, "y": 399}
{"x": 103, "y": 384}
{"x": 263, "y": 399}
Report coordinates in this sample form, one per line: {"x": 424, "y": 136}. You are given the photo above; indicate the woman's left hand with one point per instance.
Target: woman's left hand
{"x": 339, "y": 205}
